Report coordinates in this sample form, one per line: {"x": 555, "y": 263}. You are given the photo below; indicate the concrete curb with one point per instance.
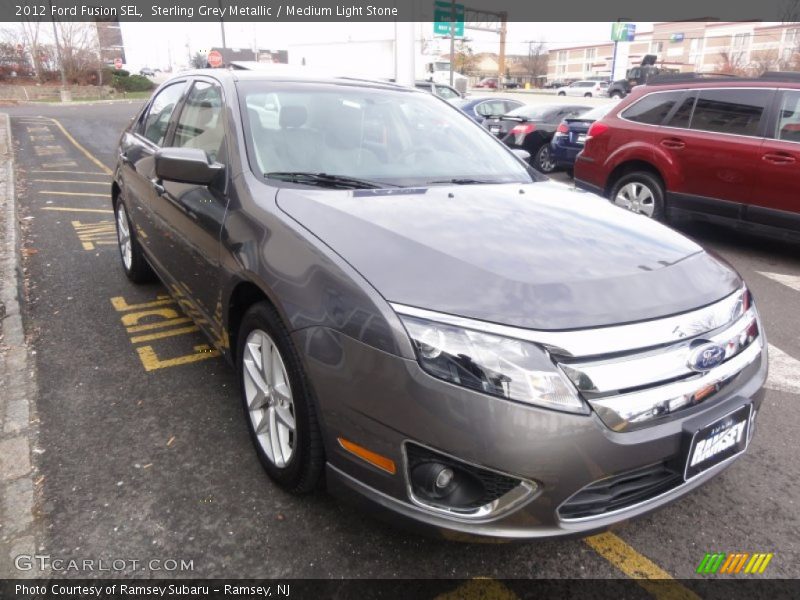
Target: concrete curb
{"x": 17, "y": 411}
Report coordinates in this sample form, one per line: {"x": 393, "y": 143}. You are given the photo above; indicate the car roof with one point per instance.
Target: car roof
{"x": 288, "y": 73}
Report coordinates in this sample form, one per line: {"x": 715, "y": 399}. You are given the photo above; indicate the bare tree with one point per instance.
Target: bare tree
{"x": 79, "y": 50}
{"x": 464, "y": 58}
{"x": 731, "y": 62}
{"x": 536, "y": 63}
{"x": 764, "y": 60}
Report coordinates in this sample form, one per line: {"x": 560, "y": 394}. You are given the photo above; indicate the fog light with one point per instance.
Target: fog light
{"x": 444, "y": 478}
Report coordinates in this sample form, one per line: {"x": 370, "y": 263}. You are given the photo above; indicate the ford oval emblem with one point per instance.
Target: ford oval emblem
{"x": 705, "y": 357}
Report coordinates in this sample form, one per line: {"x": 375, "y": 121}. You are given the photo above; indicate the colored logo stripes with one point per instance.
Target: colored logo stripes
{"x": 734, "y": 562}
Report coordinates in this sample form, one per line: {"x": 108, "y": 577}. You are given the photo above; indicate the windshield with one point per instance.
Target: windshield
{"x": 531, "y": 112}
{"x": 597, "y": 112}
{"x": 391, "y": 137}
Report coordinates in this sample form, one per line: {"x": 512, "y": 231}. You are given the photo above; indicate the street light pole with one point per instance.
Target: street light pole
{"x": 65, "y": 95}
{"x": 452, "y": 39}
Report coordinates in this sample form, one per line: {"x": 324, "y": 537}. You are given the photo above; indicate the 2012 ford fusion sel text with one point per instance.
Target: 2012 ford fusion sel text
{"x": 421, "y": 321}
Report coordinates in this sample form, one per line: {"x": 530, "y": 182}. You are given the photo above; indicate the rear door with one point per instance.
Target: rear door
{"x": 190, "y": 216}
{"x": 137, "y": 152}
{"x": 713, "y": 141}
{"x": 777, "y": 198}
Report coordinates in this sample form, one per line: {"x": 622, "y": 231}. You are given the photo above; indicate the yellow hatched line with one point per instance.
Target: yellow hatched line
{"x": 71, "y": 181}
{"x": 71, "y": 172}
{"x": 85, "y": 152}
{"x": 91, "y": 210}
{"x": 93, "y": 195}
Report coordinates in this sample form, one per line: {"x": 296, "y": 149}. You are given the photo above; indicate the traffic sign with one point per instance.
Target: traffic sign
{"x": 117, "y": 63}
{"x": 623, "y": 32}
{"x": 214, "y": 59}
{"x": 443, "y": 15}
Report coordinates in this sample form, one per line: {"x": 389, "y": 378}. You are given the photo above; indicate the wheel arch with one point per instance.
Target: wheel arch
{"x": 631, "y": 166}
{"x": 244, "y": 294}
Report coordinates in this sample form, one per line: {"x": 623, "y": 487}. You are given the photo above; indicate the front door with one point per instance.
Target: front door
{"x": 190, "y": 216}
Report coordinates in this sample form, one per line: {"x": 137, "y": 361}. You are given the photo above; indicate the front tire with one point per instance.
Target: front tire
{"x": 640, "y": 192}
{"x": 562, "y": 93}
{"x": 542, "y": 159}
{"x": 616, "y": 95}
{"x": 135, "y": 265}
{"x": 277, "y": 402}
{"x": 587, "y": 95}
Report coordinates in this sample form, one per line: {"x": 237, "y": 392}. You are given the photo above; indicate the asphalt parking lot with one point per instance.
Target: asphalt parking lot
{"x": 144, "y": 452}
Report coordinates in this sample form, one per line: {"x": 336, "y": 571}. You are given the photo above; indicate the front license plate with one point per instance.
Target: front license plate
{"x": 581, "y": 139}
{"x": 719, "y": 441}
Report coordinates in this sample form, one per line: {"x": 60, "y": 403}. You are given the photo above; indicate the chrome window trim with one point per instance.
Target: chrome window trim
{"x": 601, "y": 340}
{"x": 739, "y": 135}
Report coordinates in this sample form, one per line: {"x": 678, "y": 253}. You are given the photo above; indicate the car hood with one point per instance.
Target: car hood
{"x": 539, "y": 256}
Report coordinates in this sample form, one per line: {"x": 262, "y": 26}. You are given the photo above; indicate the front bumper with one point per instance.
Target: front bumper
{"x": 381, "y": 401}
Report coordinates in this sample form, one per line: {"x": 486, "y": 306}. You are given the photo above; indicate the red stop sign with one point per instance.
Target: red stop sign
{"x": 117, "y": 63}
{"x": 214, "y": 59}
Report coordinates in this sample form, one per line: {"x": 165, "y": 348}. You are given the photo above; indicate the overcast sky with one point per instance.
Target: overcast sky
{"x": 152, "y": 43}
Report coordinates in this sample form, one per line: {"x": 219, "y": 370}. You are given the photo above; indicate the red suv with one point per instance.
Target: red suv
{"x": 724, "y": 149}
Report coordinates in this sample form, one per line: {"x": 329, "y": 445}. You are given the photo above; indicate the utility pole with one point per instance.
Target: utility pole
{"x": 452, "y": 39}
{"x": 222, "y": 25}
{"x": 501, "y": 58}
{"x": 66, "y": 95}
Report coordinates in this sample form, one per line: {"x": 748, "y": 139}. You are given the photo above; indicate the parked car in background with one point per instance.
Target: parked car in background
{"x": 488, "y": 83}
{"x": 439, "y": 89}
{"x": 531, "y": 128}
{"x": 478, "y": 109}
{"x": 725, "y": 150}
{"x": 585, "y": 88}
{"x": 570, "y": 135}
{"x": 147, "y": 72}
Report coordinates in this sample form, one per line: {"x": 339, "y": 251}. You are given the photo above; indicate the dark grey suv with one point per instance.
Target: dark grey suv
{"x": 424, "y": 322}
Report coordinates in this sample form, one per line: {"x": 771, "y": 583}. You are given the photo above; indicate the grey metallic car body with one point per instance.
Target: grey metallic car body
{"x": 537, "y": 259}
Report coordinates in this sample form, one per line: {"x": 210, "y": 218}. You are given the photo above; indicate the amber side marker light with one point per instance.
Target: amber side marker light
{"x": 376, "y": 460}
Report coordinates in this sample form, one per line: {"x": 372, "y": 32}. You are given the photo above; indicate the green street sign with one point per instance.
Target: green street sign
{"x": 442, "y": 15}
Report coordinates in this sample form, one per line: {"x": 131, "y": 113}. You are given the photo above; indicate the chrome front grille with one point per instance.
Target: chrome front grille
{"x": 630, "y": 389}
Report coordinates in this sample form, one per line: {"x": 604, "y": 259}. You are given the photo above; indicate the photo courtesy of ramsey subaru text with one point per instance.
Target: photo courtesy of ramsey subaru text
{"x": 421, "y": 321}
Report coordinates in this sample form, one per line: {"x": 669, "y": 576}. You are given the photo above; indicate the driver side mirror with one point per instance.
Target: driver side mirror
{"x": 186, "y": 165}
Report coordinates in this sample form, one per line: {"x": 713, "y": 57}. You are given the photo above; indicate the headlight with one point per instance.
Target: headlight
{"x": 492, "y": 364}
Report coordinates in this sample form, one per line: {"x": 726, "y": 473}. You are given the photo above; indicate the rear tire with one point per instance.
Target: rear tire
{"x": 587, "y": 95}
{"x": 640, "y": 192}
{"x": 616, "y": 95}
{"x": 135, "y": 265}
{"x": 278, "y": 403}
{"x": 562, "y": 93}
{"x": 542, "y": 159}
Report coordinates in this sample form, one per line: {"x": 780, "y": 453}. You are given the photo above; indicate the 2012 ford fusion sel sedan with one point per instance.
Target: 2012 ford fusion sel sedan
{"x": 423, "y": 322}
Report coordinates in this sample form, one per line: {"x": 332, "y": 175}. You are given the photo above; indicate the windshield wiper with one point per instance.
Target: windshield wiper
{"x": 324, "y": 179}
{"x": 462, "y": 181}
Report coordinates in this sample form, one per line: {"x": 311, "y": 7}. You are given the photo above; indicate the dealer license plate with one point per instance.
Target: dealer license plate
{"x": 715, "y": 443}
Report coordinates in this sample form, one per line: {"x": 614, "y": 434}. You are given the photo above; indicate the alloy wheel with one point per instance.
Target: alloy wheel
{"x": 124, "y": 237}
{"x": 544, "y": 159}
{"x": 270, "y": 404}
{"x": 636, "y": 197}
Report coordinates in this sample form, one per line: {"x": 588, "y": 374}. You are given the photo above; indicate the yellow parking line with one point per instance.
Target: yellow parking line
{"x": 71, "y": 172}
{"x": 647, "y": 574}
{"x": 91, "y": 210}
{"x": 85, "y": 152}
{"x": 70, "y": 181}
{"x": 480, "y": 588}
{"x": 50, "y": 192}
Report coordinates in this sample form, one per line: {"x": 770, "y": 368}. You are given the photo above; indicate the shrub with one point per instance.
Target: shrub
{"x": 132, "y": 83}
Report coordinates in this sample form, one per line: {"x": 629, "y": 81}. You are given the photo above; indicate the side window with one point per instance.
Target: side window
{"x": 788, "y": 125}
{"x": 491, "y": 108}
{"x": 200, "y": 124}
{"x": 681, "y": 117}
{"x": 736, "y": 111}
{"x": 652, "y": 109}
{"x": 160, "y": 111}
{"x": 509, "y": 106}
{"x": 445, "y": 92}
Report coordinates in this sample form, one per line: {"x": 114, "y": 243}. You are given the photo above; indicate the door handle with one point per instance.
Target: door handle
{"x": 673, "y": 143}
{"x": 123, "y": 156}
{"x": 159, "y": 189}
{"x": 778, "y": 158}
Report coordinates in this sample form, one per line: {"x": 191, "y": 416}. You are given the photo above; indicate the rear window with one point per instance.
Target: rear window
{"x": 736, "y": 111}
{"x": 533, "y": 112}
{"x": 597, "y": 113}
{"x": 653, "y": 108}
